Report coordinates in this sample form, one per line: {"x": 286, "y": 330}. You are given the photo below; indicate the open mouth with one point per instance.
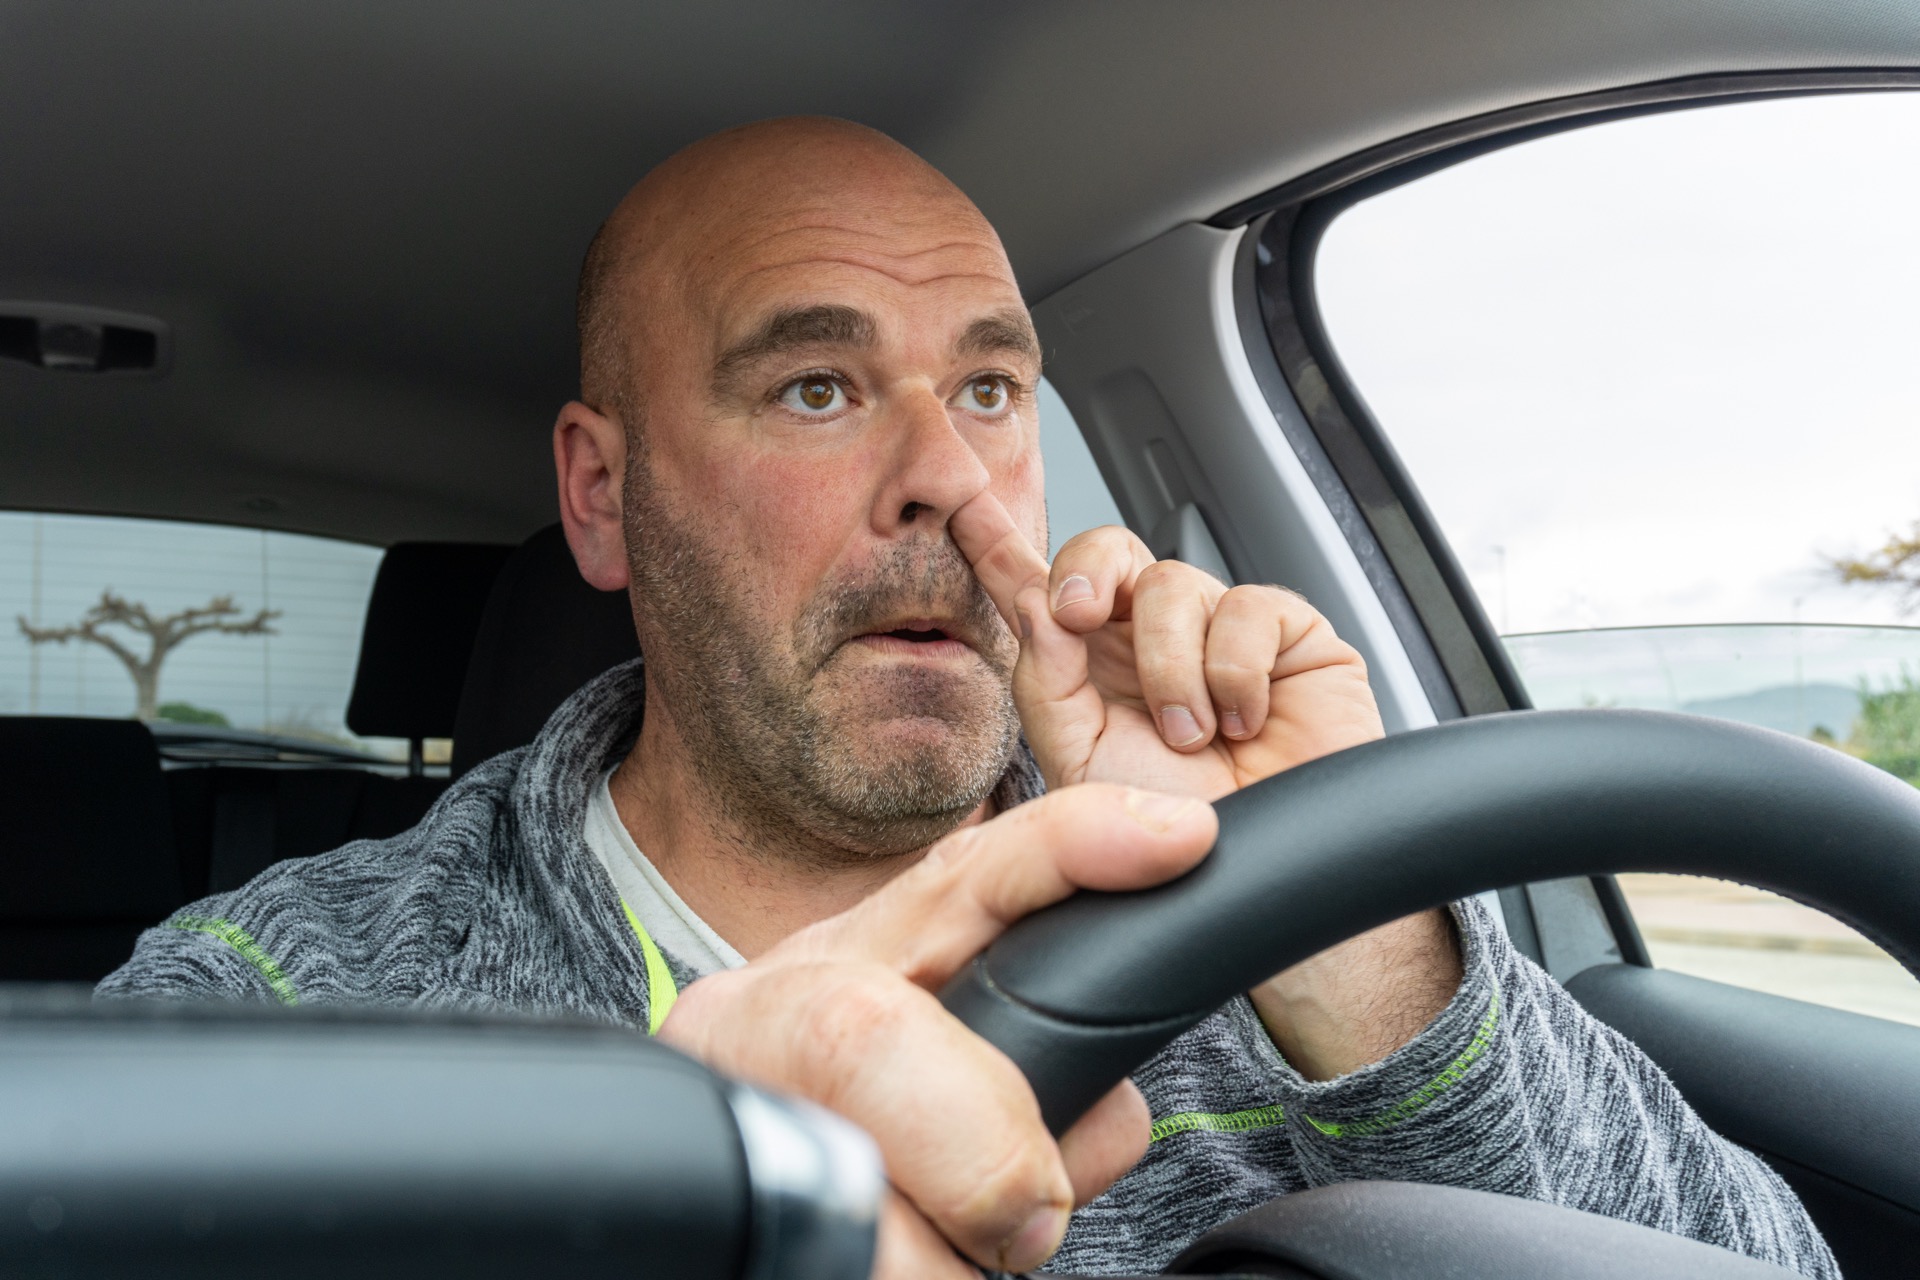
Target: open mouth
{"x": 924, "y": 637}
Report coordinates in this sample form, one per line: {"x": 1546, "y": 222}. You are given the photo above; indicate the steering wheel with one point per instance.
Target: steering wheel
{"x": 1080, "y": 994}
{"x": 176, "y": 1140}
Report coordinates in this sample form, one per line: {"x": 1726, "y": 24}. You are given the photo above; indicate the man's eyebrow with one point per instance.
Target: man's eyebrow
{"x": 790, "y": 329}
{"x": 1008, "y": 331}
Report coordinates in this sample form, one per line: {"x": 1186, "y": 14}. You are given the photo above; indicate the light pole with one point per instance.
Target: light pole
{"x": 1500, "y": 554}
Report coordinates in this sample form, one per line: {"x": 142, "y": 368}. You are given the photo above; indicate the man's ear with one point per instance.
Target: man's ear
{"x": 590, "y": 457}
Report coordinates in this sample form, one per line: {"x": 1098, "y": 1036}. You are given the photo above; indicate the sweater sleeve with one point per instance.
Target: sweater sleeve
{"x": 1514, "y": 1088}
{"x": 197, "y": 957}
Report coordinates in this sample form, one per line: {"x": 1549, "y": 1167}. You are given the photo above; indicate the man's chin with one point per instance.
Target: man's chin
{"x": 900, "y": 781}
{"x": 926, "y": 749}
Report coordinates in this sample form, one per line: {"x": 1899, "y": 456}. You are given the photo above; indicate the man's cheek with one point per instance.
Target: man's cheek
{"x": 786, "y": 514}
{"x": 791, "y": 541}
{"x": 1020, "y": 484}
{"x": 1029, "y": 513}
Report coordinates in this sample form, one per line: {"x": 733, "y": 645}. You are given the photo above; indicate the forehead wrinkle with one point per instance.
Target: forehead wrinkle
{"x": 835, "y": 242}
{"x": 786, "y": 230}
{"x": 865, "y": 265}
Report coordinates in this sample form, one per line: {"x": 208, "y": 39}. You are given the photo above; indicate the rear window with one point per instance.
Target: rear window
{"x": 228, "y": 641}
{"x": 237, "y": 643}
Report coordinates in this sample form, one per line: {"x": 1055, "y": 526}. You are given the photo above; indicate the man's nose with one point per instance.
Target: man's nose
{"x": 934, "y": 470}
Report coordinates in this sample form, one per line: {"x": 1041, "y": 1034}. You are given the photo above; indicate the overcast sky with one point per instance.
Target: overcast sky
{"x": 1667, "y": 364}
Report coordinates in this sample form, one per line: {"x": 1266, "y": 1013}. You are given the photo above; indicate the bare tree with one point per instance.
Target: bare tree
{"x": 1897, "y": 564}
{"x": 164, "y": 635}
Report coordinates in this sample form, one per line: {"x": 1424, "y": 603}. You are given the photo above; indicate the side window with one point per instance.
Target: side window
{"x": 1656, "y": 380}
{"x": 1077, "y": 498}
{"x": 223, "y": 639}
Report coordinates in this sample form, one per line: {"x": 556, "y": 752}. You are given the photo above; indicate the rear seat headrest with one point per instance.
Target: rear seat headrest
{"x": 89, "y": 830}
{"x": 545, "y": 633}
{"x": 425, "y": 609}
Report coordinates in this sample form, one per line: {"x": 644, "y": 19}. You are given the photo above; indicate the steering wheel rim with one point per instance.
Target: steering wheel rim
{"x": 1081, "y": 994}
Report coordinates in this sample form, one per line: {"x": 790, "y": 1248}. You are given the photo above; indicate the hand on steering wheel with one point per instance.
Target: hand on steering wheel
{"x": 843, "y": 1013}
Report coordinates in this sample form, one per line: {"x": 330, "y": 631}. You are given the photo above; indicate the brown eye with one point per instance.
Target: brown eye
{"x": 987, "y": 395}
{"x": 814, "y": 395}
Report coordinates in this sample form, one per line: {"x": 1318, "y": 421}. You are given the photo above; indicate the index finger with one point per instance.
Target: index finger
{"x": 1002, "y": 558}
{"x": 933, "y": 918}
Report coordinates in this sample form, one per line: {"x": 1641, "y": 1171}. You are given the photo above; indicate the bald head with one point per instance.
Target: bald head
{"x": 802, "y": 351}
{"x": 654, "y": 260}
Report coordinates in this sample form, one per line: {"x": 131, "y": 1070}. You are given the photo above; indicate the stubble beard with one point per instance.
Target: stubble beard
{"x": 780, "y": 736}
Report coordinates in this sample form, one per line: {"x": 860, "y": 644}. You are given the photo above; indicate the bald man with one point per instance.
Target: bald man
{"x": 807, "y": 448}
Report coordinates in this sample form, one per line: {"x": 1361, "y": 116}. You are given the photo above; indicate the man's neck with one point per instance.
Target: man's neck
{"x": 751, "y": 888}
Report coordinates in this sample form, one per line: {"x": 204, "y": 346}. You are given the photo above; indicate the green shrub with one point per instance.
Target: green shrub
{"x": 187, "y": 713}
{"x": 1887, "y": 734}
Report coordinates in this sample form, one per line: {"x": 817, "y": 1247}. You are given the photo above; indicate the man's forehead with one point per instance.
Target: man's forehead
{"x": 941, "y": 305}
{"x": 825, "y": 256}
{"x": 795, "y": 214}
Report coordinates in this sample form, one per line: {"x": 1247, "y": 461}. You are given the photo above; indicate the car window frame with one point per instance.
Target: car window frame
{"x": 1441, "y": 621}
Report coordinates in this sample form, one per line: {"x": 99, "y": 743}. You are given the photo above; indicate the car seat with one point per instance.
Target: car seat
{"x": 544, "y": 634}
{"x": 89, "y": 846}
{"x": 422, "y": 615}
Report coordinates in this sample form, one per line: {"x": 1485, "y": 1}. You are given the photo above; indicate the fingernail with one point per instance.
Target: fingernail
{"x": 1178, "y": 726}
{"x": 1026, "y": 624}
{"x": 1232, "y": 725}
{"x": 1073, "y": 591}
{"x": 1156, "y": 810}
{"x": 1035, "y": 1242}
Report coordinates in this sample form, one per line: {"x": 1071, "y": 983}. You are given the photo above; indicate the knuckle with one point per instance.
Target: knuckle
{"x": 856, "y": 1011}
{"x": 954, "y": 850}
{"x": 1265, "y": 599}
{"x": 1115, "y": 537}
{"x": 1094, "y": 547}
{"x": 1081, "y": 541}
{"x": 1280, "y": 592}
{"x": 1168, "y": 669}
{"x": 1161, "y": 574}
{"x": 1015, "y": 1179}
{"x": 1229, "y": 670}
{"x": 1179, "y": 571}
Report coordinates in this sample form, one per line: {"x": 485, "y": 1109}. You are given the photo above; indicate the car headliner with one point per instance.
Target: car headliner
{"x": 362, "y": 220}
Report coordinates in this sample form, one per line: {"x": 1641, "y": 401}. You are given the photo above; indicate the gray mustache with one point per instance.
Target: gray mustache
{"x": 915, "y": 578}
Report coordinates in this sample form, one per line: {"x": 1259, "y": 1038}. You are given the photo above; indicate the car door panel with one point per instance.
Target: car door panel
{"x": 1824, "y": 1095}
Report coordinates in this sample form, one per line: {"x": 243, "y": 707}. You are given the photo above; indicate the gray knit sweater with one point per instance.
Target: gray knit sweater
{"x": 494, "y": 901}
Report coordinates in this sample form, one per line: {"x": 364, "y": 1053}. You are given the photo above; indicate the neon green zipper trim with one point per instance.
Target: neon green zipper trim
{"x": 250, "y": 951}
{"x": 1419, "y": 1098}
{"x": 1217, "y": 1122}
{"x": 661, "y": 993}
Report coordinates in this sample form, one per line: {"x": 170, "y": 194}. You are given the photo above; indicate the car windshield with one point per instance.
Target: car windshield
{"x": 1847, "y": 686}
{"x": 1670, "y": 440}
